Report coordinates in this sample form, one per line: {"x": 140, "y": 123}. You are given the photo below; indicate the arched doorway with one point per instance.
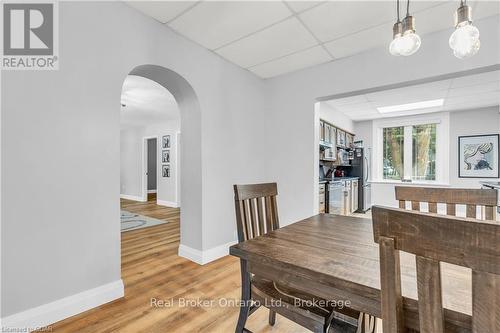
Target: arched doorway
{"x": 190, "y": 155}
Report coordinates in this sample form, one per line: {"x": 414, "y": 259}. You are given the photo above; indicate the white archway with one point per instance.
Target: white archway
{"x": 190, "y": 157}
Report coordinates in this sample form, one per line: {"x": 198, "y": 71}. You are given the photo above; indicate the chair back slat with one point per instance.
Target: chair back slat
{"x": 433, "y": 239}
{"x": 486, "y": 302}
{"x": 430, "y": 303}
{"x": 472, "y": 198}
{"x": 256, "y": 209}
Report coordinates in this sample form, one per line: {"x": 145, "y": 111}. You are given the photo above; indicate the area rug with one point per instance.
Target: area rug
{"x": 132, "y": 221}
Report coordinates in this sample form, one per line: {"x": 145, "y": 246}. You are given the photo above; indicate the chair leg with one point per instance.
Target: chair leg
{"x": 245, "y": 297}
{"x": 272, "y": 317}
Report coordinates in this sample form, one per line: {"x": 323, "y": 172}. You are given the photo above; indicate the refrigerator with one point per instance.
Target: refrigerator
{"x": 361, "y": 168}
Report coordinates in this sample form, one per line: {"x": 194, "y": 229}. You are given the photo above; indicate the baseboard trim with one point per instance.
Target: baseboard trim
{"x": 167, "y": 203}
{"x": 46, "y": 314}
{"x": 132, "y": 197}
{"x": 204, "y": 257}
{"x": 151, "y": 191}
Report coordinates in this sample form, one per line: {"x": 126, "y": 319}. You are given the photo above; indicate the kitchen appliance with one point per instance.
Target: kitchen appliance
{"x": 494, "y": 186}
{"x": 361, "y": 168}
{"x": 336, "y": 197}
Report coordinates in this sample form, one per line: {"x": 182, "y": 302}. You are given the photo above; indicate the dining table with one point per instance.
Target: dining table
{"x": 335, "y": 257}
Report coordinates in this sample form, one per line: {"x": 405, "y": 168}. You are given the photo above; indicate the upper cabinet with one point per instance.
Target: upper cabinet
{"x": 327, "y": 134}
{"x": 331, "y": 136}
{"x": 349, "y": 140}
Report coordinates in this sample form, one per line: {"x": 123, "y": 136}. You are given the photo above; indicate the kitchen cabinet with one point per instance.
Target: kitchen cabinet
{"x": 349, "y": 140}
{"x": 321, "y": 131}
{"x": 322, "y": 198}
{"x": 340, "y": 138}
{"x": 347, "y": 197}
{"x": 354, "y": 195}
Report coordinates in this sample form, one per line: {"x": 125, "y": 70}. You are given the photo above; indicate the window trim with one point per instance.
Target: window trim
{"x": 442, "y": 121}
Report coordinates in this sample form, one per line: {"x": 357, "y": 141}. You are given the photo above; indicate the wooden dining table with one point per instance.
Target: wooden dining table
{"x": 335, "y": 258}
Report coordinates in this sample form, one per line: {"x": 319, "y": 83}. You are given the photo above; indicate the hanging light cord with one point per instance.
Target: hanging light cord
{"x": 397, "y": 6}
{"x": 408, "y": 8}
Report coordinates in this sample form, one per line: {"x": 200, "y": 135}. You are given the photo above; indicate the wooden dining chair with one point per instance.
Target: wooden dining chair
{"x": 486, "y": 199}
{"x": 433, "y": 239}
{"x": 256, "y": 215}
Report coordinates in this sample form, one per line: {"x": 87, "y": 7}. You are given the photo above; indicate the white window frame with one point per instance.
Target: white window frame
{"x": 442, "y": 121}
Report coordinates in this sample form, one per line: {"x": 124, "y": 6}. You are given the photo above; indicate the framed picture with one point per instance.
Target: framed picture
{"x": 165, "y": 156}
{"x": 165, "y": 170}
{"x": 478, "y": 156}
{"x": 165, "y": 142}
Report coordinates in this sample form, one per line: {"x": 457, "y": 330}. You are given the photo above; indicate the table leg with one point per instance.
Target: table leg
{"x": 245, "y": 297}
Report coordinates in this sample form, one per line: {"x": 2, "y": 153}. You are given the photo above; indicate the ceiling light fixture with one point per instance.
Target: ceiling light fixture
{"x": 464, "y": 41}
{"x": 411, "y": 106}
{"x": 411, "y": 41}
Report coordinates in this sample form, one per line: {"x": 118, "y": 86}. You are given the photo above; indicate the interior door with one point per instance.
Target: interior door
{"x": 151, "y": 167}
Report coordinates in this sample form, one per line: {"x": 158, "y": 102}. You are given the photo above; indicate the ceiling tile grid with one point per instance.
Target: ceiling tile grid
{"x": 473, "y": 91}
{"x": 271, "y": 38}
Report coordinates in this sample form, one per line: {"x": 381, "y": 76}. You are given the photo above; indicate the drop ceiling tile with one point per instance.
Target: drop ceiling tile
{"x": 299, "y": 6}
{"x": 310, "y": 57}
{"x": 162, "y": 11}
{"x": 475, "y": 79}
{"x": 435, "y": 19}
{"x": 475, "y": 89}
{"x": 361, "y": 41}
{"x": 478, "y": 97}
{"x": 213, "y": 24}
{"x": 279, "y": 40}
{"x": 333, "y": 20}
{"x": 358, "y": 99}
{"x": 483, "y": 9}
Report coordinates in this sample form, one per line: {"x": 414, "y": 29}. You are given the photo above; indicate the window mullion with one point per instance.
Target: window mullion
{"x": 408, "y": 152}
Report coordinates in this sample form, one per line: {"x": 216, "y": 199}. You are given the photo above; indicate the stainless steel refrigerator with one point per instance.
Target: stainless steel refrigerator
{"x": 361, "y": 167}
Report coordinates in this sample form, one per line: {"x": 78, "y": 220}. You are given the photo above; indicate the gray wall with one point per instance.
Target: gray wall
{"x": 152, "y": 161}
{"x": 63, "y": 197}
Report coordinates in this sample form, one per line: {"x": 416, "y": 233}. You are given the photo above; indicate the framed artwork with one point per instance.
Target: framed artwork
{"x": 478, "y": 156}
{"x": 165, "y": 156}
{"x": 165, "y": 142}
{"x": 165, "y": 170}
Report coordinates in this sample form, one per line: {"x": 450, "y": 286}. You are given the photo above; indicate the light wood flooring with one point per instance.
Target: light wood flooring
{"x": 151, "y": 268}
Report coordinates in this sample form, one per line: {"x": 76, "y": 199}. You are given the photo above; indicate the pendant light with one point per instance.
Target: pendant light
{"x": 464, "y": 41}
{"x": 397, "y": 33}
{"x": 410, "y": 40}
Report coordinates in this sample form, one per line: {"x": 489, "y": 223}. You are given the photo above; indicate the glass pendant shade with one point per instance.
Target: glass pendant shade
{"x": 464, "y": 41}
{"x": 410, "y": 41}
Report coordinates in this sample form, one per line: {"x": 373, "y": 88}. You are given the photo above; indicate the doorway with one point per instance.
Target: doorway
{"x": 151, "y": 169}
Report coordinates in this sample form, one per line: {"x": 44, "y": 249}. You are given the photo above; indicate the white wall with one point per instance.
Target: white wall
{"x": 335, "y": 117}
{"x": 467, "y": 122}
{"x": 131, "y": 162}
{"x": 62, "y": 198}
{"x": 291, "y": 122}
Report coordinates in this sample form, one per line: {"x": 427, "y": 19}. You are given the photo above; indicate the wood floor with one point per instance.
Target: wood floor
{"x": 151, "y": 268}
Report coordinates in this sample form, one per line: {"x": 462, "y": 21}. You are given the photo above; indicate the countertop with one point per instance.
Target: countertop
{"x": 326, "y": 180}
{"x": 492, "y": 184}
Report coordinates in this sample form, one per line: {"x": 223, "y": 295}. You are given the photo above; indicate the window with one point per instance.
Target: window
{"x": 413, "y": 149}
{"x": 424, "y": 152}
{"x": 393, "y": 153}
